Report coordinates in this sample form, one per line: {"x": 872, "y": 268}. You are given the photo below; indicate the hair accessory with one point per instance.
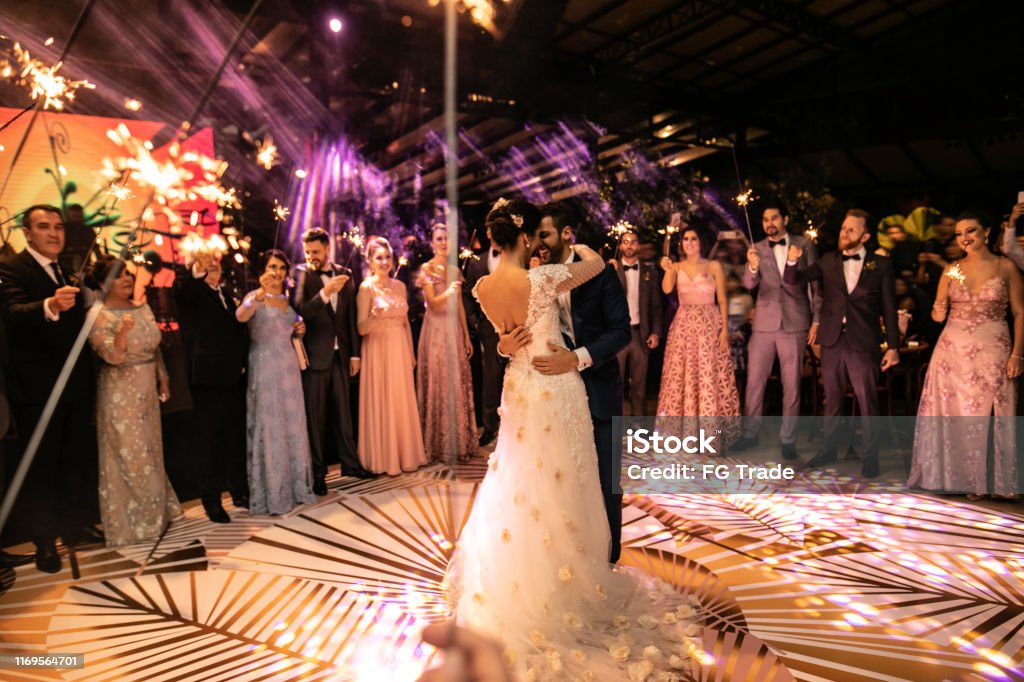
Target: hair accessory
{"x": 517, "y": 220}
{"x": 500, "y": 203}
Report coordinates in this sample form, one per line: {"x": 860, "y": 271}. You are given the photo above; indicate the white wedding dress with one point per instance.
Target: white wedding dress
{"x": 530, "y": 568}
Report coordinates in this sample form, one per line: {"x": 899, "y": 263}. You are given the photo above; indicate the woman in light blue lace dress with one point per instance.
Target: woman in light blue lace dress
{"x": 278, "y": 445}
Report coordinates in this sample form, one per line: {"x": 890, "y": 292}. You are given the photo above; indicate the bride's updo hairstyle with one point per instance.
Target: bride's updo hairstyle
{"x": 509, "y": 219}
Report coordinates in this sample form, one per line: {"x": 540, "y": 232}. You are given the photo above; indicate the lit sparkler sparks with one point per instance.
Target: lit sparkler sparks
{"x": 465, "y": 254}
{"x": 402, "y": 262}
{"x": 745, "y": 198}
{"x": 184, "y": 176}
{"x": 266, "y": 152}
{"x": 281, "y": 212}
{"x": 955, "y": 273}
{"x": 44, "y": 82}
{"x": 811, "y": 232}
{"x": 120, "y": 192}
{"x": 194, "y": 244}
{"x": 481, "y": 11}
{"x": 620, "y": 228}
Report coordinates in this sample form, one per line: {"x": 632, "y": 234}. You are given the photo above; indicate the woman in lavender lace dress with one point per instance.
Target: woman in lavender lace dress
{"x": 972, "y": 376}
{"x": 278, "y": 444}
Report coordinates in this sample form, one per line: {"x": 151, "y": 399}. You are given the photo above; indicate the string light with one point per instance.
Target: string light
{"x": 44, "y": 82}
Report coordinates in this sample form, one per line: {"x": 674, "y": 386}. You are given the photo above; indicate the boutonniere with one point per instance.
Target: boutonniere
{"x": 871, "y": 265}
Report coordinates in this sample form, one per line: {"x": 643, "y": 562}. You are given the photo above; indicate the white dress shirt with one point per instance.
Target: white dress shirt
{"x": 632, "y": 277}
{"x": 45, "y": 263}
{"x": 565, "y": 322}
{"x": 852, "y": 268}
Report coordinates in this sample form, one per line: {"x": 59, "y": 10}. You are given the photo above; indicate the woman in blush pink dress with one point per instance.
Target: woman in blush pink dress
{"x": 698, "y": 379}
{"x": 389, "y": 423}
{"x": 441, "y": 395}
{"x": 972, "y": 375}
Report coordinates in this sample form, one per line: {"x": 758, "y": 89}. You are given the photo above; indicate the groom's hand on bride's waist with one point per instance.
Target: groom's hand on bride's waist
{"x": 559, "y": 361}
{"x": 510, "y": 342}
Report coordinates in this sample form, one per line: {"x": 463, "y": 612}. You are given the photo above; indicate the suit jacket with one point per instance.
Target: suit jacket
{"x": 324, "y": 325}
{"x": 600, "y": 320}
{"x": 650, "y": 299}
{"x": 781, "y": 305}
{"x": 874, "y": 297}
{"x": 477, "y": 322}
{"x": 216, "y": 343}
{"x": 39, "y": 347}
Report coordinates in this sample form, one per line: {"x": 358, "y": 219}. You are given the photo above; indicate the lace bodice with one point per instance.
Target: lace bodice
{"x": 697, "y": 291}
{"x": 988, "y": 305}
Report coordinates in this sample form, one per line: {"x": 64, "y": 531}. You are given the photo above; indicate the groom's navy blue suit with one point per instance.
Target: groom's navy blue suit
{"x": 600, "y": 321}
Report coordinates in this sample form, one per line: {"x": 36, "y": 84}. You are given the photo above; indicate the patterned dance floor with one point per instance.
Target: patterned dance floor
{"x": 796, "y": 587}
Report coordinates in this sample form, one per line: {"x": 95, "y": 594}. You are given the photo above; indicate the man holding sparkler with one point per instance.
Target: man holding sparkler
{"x": 785, "y": 322}
{"x": 325, "y": 296}
{"x": 858, "y": 289}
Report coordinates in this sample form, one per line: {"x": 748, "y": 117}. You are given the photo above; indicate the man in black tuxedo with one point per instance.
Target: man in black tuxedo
{"x": 858, "y": 288}
{"x": 7, "y": 561}
{"x": 640, "y": 281}
{"x": 595, "y": 325}
{"x": 482, "y": 331}
{"x": 44, "y": 314}
{"x": 216, "y": 345}
{"x": 325, "y": 296}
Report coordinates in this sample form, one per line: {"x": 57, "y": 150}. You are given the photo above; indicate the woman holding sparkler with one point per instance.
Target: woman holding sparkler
{"x": 389, "y": 423}
{"x": 698, "y": 378}
{"x": 972, "y": 375}
{"x": 433, "y": 384}
{"x": 136, "y": 497}
{"x": 278, "y": 458}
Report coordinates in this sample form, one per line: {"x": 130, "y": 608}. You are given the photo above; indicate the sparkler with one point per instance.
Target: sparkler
{"x": 745, "y": 198}
{"x": 955, "y": 273}
{"x": 812, "y": 231}
{"x": 466, "y": 254}
{"x": 481, "y": 11}
{"x": 185, "y": 176}
{"x": 402, "y": 262}
{"x": 44, "y": 82}
{"x": 266, "y": 152}
{"x": 355, "y": 238}
{"x": 281, "y": 212}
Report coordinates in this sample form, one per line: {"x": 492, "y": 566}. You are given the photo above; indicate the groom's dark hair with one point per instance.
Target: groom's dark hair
{"x": 562, "y": 215}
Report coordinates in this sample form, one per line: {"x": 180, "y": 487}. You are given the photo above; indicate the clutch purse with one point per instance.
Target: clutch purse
{"x": 300, "y": 353}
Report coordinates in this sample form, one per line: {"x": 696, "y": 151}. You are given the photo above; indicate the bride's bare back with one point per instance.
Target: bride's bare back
{"x": 504, "y": 296}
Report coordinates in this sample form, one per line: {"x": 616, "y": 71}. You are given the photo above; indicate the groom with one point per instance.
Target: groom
{"x": 594, "y": 320}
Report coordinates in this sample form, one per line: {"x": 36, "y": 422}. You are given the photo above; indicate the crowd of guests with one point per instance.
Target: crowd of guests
{"x": 270, "y": 375}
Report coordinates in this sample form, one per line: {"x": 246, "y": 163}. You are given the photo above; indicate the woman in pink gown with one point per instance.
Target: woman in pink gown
{"x": 445, "y": 393}
{"x": 698, "y": 378}
{"x": 389, "y": 423}
{"x": 972, "y": 376}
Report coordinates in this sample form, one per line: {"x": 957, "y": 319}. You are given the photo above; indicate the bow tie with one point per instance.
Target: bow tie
{"x": 634, "y": 266}
{"x": 855, "y": 256}
{"x": 328, "y": 273}
{"x": 781, "y": 242}
{"x": 495, "y": 253}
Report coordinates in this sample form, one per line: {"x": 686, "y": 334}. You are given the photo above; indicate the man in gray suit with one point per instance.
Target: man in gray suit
{"x": 785, "y": 322}
{"x": 641, "y": 282}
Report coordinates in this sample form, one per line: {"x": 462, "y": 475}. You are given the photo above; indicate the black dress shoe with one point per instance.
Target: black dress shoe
{"x": 822, "y": 458}
{"x": 47, "y": 559}
{"x": 240, "y": 502}
{"x": 215, "y": 511}
{"x": 870, "y": 468}
{"x": 487, "y": 436}
{"x": 8, "y": 560}
{"x": 744, "y": 443}
{"x": 319, "y": 487}
{"x": 86, "y": 535}
{"x": 789, "y": 451}
{"x": 358, "y": 473}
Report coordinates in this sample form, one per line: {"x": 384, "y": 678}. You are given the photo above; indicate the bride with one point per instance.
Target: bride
{"x": 531, "y": 565}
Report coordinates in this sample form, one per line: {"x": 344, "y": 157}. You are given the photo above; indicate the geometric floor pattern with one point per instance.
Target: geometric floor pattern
{"x": 796, "y": 587}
